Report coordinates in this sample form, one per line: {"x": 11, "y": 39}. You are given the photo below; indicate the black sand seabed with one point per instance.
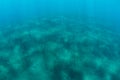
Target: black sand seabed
{"x": 59, "y": 49}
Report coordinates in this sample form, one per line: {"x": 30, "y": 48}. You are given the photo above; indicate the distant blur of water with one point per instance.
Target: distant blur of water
{"x": 19, "y": 10}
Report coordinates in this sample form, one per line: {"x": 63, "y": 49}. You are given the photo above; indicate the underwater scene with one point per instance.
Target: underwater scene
{"x": 59, "y": 40}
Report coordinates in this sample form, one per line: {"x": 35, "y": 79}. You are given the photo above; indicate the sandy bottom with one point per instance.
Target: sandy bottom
{"x": 59, "y": 49}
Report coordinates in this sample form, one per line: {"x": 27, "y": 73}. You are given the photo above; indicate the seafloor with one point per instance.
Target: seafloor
{"x": 59, "y": 48}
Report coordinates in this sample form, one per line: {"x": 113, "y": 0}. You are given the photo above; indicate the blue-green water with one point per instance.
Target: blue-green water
{"x": 59, "y": 40}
